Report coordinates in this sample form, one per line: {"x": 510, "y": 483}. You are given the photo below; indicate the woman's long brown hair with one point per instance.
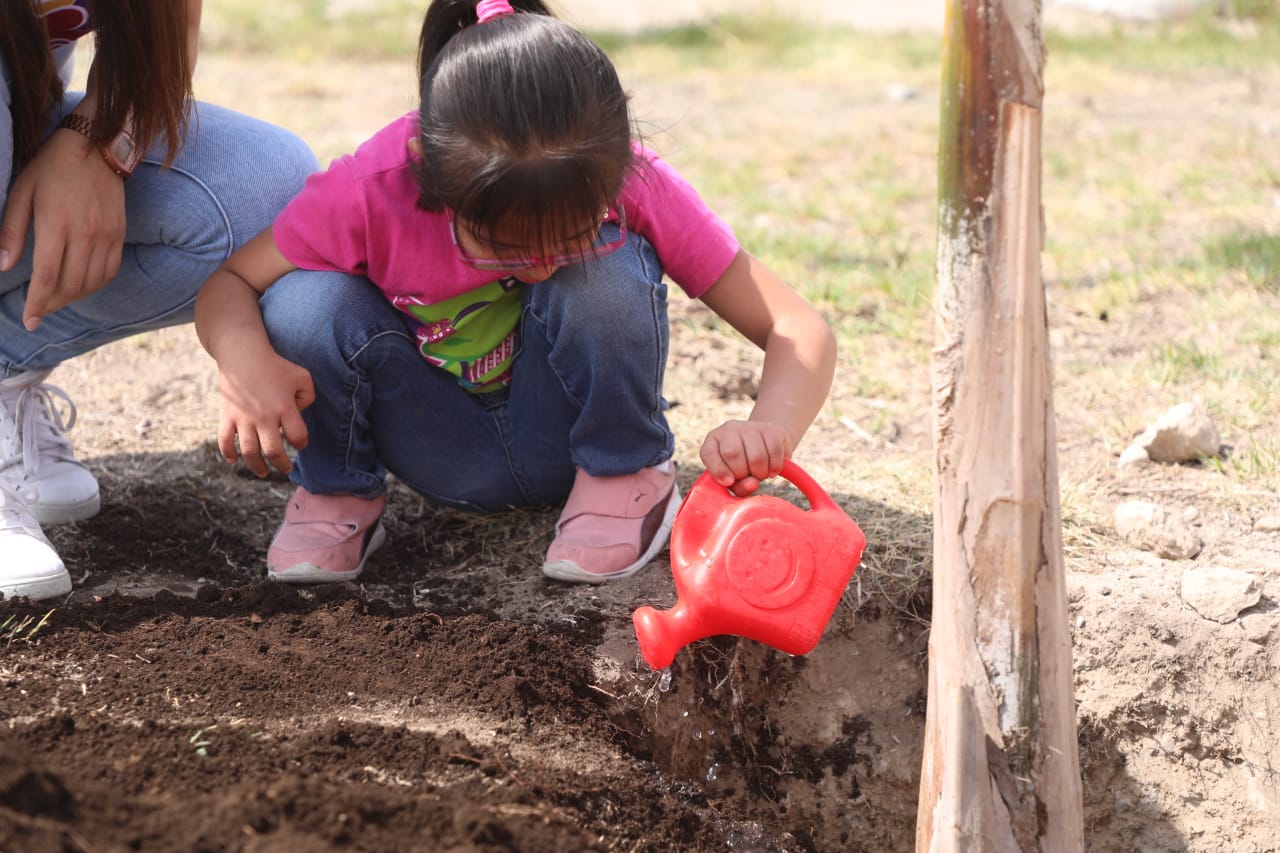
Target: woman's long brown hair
{"x": 142, "y": 72}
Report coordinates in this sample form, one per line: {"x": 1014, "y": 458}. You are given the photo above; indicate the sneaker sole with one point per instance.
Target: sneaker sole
{"x": 567, "y": 570}
{"x": 311, "y": 573}
{"x": 37, "y": 588}
{"x": 66, "y": 513}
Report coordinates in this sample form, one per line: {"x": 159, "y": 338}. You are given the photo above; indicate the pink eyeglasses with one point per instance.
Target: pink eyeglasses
{"x": 595, "y": 250}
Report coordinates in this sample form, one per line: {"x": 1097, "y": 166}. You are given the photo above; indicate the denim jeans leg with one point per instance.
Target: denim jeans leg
{"x": 379, "y": 405}
{"x": 232, "y": 177}
{"x": 586, "y": 388}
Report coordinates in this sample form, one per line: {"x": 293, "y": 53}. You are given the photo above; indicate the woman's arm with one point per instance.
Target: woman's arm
{"x": 75, "y": 200}
{"x": 263, "y": 395}
{"x": 799, "y": 362}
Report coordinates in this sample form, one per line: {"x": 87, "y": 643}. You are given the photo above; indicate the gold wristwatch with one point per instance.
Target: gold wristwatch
{"x": 122, "y": 153}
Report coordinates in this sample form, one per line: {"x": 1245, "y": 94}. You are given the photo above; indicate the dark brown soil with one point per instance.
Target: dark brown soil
{"x": 456, "y": 700}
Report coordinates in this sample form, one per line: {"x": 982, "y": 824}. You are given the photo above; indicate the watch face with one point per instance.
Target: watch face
{"x": 125, "y": 151}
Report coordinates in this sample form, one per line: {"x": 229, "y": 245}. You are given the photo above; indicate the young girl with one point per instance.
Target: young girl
{"x": 474, "y": 301}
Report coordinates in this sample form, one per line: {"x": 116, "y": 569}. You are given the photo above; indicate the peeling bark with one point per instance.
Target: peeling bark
{"x": 1001, "y": 767}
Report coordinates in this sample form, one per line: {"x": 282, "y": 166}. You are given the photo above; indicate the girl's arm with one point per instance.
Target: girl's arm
{"x": 799, "y": 362}
{"x": 263, "y": 395}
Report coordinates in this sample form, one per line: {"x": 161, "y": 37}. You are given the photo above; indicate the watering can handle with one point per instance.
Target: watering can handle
{"x": 818, "y": 498}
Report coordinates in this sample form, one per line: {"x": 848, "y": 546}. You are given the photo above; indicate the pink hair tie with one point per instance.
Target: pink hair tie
{"x": 487, "y": 10}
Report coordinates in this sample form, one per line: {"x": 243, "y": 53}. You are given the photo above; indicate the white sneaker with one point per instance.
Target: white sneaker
{"x": 28, "y": 564}
{"x": 36, "y": 458}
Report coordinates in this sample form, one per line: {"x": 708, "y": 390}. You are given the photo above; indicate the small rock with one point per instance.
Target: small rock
{"x": 1148, "y": 526}
{"x": 1134, "y": 456}
{"x": 1267, "y": 524}
{"x": 1258, "y": 627}
{"x": 1220, "y": 594}
{"x": 900, "y": 93}
{"x": 1185, "y": 433}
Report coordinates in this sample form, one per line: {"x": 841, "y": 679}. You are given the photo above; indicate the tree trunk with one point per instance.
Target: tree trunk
{"x": 1001, "y": 768}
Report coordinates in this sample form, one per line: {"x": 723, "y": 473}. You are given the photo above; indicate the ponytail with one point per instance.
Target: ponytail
{"x": 445, "y": 18}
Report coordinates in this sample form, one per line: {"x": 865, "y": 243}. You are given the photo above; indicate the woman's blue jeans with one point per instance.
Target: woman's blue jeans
{"x": 232, "y": 177}
{"x": 586, "y": 388}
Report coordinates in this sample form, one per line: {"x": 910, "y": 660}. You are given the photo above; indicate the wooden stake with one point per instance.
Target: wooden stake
{"x": 1001, "y": 766}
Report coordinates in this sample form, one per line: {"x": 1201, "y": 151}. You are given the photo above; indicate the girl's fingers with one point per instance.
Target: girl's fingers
{"x": 227, "y": 441}
{"x": 273, "y": 452}
{"x": 251, "y": 452}
{"x": 295, "y": 430}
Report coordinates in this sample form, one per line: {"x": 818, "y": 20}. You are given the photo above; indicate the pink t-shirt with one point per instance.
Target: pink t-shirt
{"x": 360, "y": 216}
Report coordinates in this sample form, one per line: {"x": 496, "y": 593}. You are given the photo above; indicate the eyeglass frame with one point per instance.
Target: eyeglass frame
{"x": 613, "y": 214}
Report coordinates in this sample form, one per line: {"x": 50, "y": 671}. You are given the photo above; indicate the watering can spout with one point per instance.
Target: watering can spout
{"x": 662, "y": 633}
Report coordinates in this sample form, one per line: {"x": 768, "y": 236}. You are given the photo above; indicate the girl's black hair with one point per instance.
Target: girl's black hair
{"x": 524, "y": 123}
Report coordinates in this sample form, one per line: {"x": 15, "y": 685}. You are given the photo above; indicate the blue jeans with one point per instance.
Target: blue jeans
{"x": 586, "y": 388}
{"x": 229, "y": 181}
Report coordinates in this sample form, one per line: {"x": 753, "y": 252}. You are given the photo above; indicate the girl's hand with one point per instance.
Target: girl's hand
{"x": 76, "y": 203}
{"x": 263, "y": 396}
{"x": 741, "y": 454}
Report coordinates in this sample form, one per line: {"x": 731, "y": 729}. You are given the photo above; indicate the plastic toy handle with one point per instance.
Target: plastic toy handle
{"x": 818, "y": 497}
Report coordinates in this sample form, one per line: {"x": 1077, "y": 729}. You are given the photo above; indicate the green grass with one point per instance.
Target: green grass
{"x": 1253, "y": 255}
{"x": 309, "y": 29}
{"x": 13, "y": 629}
{"x": 1206, "y": 40}
{"x": 1257, "y": 462}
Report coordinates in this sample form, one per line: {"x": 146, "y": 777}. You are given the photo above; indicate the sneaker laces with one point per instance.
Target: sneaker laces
{"x": 37, "y": 426}
{"x": 14, "y": 514}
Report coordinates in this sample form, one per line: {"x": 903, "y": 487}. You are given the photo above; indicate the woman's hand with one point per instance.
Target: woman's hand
{"x": 739, "y": 455}
{"x": 76, "y": 202}
{"x": 263, "y": 396}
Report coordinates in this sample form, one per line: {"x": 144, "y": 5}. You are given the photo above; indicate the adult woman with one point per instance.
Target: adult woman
{"x": 117, "y": 205}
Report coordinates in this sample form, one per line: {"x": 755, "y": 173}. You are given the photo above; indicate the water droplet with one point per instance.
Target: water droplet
{"x": 711, "y": 732}
{"x": 684, "y": 713}
{"x": 664, "y": 681}
{"x": 712, "y": 772}
{"x": 697, "y": 734}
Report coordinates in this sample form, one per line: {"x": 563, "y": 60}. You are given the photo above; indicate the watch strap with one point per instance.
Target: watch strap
{"x": 84, "y": 126}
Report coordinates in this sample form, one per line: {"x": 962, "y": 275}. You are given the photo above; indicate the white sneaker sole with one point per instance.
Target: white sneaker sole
{"x": 567, "y": 570}
{"x": 66, "y": 513}
{"x": 311, "y": 573}
{"x": 49, "y": 586}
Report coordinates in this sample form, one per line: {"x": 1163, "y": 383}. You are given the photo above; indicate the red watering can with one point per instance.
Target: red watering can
{"x": 758, "y": 567}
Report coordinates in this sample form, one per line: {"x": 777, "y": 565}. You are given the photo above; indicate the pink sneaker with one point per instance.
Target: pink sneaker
{"x": 325, "y": 538}
{"x": 611, "y": 527}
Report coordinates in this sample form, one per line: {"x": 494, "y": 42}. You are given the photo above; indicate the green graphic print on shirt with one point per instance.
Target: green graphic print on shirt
{"x": 472, "y": 335}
